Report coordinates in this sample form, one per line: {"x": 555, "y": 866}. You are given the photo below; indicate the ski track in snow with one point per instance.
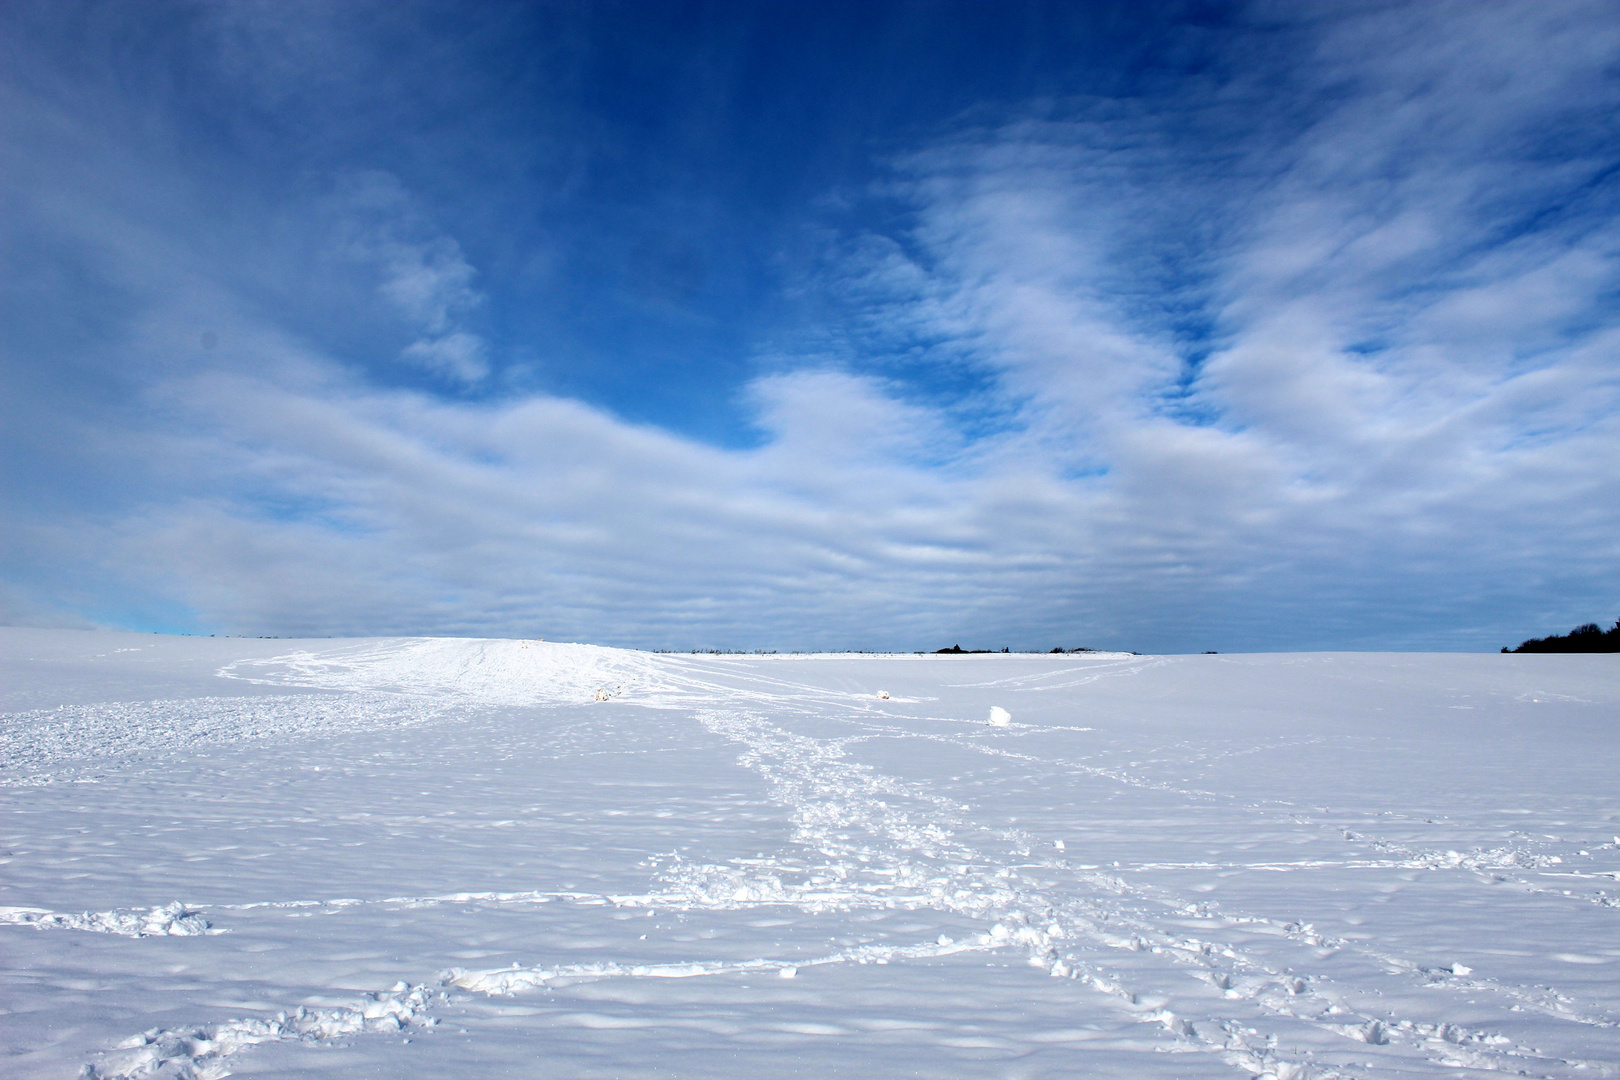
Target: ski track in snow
{"x": 862, "y": 840}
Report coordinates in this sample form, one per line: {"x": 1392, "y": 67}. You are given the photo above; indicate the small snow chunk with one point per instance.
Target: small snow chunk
{"x": 999, "y": 717}
{"x": 1059, "y": 845}
{"x": 1372, "y": 1033}
{"x": 1461, "y": 969}
{"x": 943, "y": 940}
{"x": 788, "y": 973}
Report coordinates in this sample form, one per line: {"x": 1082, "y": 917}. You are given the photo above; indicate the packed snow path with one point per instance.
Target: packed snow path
{"x": 497, "y": 858}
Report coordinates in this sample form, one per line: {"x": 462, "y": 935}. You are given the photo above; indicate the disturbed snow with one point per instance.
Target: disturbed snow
{"x": 470, "y": 859}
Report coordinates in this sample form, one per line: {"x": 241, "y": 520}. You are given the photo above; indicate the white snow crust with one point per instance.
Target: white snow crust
{"x": 476, "y": 858}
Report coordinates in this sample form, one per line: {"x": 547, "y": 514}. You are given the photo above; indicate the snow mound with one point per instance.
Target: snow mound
{"x": 469, "y": 670}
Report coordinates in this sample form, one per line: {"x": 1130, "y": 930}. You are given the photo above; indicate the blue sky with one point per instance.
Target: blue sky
{"x": 1166, "y": 327}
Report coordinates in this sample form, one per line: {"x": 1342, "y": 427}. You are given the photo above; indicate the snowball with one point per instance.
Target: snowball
{"x": 999, "y": 717}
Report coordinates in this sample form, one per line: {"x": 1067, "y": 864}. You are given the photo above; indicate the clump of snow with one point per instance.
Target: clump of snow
{"x": 999, "y": 717}
{"x": 200, "y": 1053}
{"x": 169, "y": 920}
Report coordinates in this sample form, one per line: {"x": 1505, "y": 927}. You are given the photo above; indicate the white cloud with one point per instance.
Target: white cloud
{"x": 429, "y": 281}
{"x": 457, "y": 355}
{"x": 828, "y": 417}
{"x": 422, "y": 273}
{"x": 1412, "y": 361}
{"x": 1395, "y": 423}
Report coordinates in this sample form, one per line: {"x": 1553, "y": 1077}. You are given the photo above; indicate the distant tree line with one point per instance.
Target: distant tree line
{"x": 957, "y": 650}
{"x": 1588, "y": 638}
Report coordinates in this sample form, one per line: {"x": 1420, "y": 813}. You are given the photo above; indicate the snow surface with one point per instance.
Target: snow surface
{"x": 456, "y": 858}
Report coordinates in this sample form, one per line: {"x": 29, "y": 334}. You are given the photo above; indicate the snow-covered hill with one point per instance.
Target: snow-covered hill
{"x": 501, "y": 858}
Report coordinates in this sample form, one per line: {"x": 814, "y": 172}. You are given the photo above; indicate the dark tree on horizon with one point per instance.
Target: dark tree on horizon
{"x": 1590, "y": 638}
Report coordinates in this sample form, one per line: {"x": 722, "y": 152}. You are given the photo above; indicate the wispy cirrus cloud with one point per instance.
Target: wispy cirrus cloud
{"x": 421, "y": 272}
{"x": 1367, "y": 347}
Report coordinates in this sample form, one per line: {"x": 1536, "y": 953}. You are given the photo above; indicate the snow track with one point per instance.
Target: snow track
{"x": 878, "y": 852}
{"x": 741, "y": 848}
{"x": 201, "y": 1053}
{"x": 170, "y": 920}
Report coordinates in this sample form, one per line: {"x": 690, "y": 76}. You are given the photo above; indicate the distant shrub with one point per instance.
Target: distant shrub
{"x": 1583, "y": 639}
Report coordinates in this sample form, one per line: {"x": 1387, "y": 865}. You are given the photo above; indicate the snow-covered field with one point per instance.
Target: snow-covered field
{"x": 448, "y": 858}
